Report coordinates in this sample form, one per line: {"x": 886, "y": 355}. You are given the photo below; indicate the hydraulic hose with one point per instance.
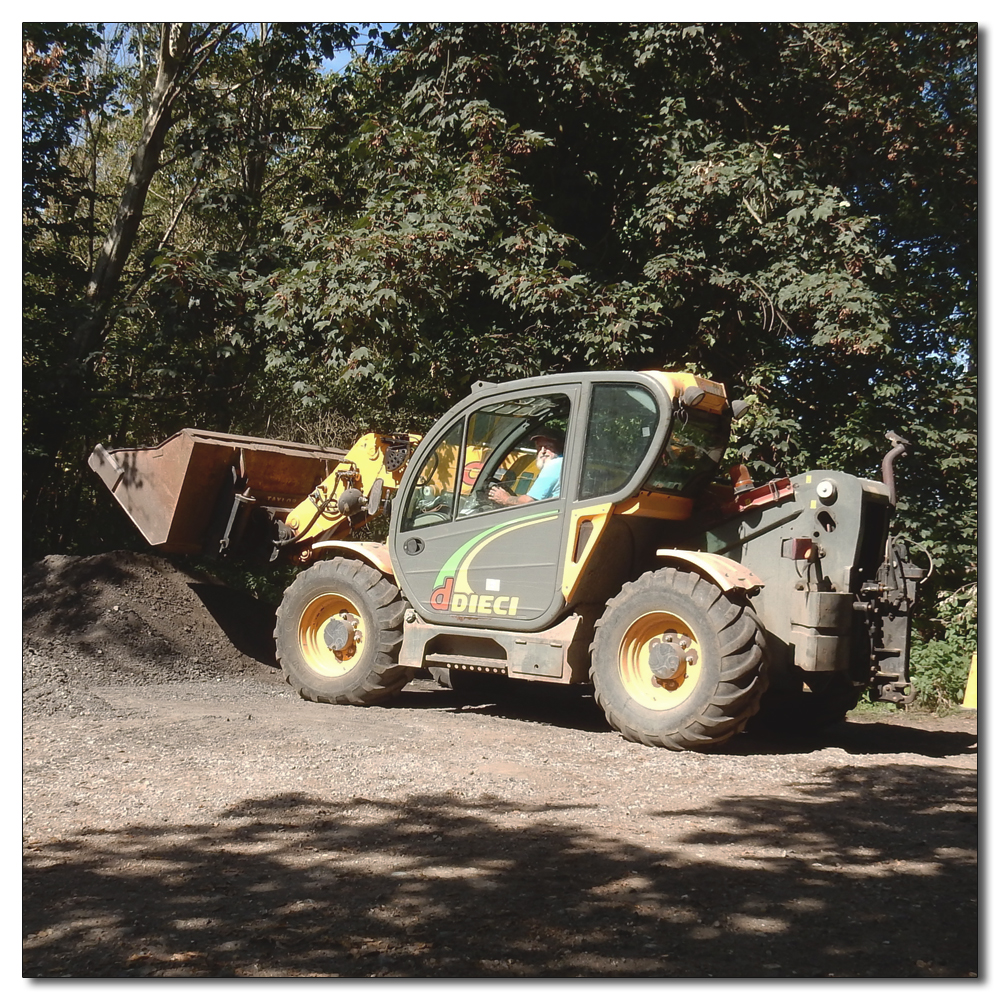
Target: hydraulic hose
{"x": 320, "y": 510}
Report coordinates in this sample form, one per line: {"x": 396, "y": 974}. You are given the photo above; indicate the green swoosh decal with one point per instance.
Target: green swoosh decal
{"x": 454, "y": 560}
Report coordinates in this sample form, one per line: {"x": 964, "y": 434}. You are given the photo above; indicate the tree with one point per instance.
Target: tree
{"x": 88, "y": 356}
{"x": 763, "y": 203}
{"x": 689, "y": 229}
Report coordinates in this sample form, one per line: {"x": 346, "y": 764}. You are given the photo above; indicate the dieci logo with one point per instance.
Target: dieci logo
{"x": 444, "y": 598}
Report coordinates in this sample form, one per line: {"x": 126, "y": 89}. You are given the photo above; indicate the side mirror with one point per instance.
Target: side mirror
{"x": 692, "y": 396}
{"x": 375, "y": 498}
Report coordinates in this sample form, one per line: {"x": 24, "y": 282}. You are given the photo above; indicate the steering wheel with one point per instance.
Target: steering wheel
{"x": 479, "y": 500}
{"x": 427, "y": 473}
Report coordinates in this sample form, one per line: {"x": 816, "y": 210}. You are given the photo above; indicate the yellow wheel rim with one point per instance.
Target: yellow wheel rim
{"x": 331, "y": 635}
{"x": 660, "y": 661}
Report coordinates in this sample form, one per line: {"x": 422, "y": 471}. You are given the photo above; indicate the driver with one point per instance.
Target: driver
{"x": 548, "y": 458}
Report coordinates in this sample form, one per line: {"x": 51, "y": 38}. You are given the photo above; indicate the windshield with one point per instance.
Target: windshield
{"x": 694, "y": 450}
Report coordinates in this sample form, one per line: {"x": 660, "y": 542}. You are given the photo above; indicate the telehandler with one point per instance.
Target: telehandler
{"x": 688, "y": 604}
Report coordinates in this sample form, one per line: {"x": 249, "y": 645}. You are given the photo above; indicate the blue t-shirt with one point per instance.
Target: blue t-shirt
{"x": 546, "y": 485}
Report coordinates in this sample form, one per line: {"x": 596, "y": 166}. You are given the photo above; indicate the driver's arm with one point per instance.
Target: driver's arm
{"x": 499, "y": 495}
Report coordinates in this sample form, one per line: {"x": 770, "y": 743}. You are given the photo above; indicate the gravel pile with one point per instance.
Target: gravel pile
{"x": 125, "y": 619}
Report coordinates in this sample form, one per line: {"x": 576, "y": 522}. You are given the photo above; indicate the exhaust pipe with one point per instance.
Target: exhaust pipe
{"x": 899, "y": 446}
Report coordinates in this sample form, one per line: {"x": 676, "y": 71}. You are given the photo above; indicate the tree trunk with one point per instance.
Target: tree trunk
{"x": 117, "y": 246}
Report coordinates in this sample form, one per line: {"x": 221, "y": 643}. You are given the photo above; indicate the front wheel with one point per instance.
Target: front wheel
{"x": 338, "y": 633}
{"x": 677, "y": 662}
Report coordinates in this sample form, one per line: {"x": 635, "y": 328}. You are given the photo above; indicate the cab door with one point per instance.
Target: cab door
{"x": 464, "y": 560}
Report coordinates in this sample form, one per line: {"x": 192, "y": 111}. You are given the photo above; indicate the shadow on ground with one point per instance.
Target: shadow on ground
{"x": 574, "y": 708}
{"x": 863, "y": 874}
{"x": 247, "y": 622}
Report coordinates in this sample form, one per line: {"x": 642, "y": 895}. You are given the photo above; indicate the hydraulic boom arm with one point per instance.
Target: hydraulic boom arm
{"x": 352, "y": 494}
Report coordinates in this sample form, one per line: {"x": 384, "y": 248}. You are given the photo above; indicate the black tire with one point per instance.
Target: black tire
{"x": 690, "y": 705}
{"x": 802, "y": 712}
{"x": 352, "y": 605}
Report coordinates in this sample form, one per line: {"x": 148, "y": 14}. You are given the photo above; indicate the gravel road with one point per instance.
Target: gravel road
{"x": 185, "y": 815}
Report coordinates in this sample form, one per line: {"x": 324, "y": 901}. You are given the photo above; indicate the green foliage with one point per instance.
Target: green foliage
{"x": 265, "y": 583}
{"x": 55, "y": 93}
{"x": 940, "y": 666}
{"x": 490, "y": 220}
{"x": 959, "y": 614}
{"x": 789, "y": 208}
{"x": 939, "y": 671}
{"x": 172, "y": 349}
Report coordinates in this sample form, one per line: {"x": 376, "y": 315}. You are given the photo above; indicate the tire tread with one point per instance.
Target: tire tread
{"x": 385, "y": 677}
{"x": 742, "y": 675}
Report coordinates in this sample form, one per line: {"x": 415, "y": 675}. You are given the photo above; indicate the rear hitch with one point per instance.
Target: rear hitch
{"x": 889, "y": 607}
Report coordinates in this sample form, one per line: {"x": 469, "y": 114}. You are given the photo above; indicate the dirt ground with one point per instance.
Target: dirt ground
{"x": 186, "y": 815}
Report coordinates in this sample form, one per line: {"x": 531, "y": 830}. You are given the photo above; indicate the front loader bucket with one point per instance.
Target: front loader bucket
{"x": 174, "y": 492}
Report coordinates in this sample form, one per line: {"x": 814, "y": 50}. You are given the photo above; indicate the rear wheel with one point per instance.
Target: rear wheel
{"x": 338, "y": 633}
{"x": 677, "y": 662}
{"x": 817, "y": 702}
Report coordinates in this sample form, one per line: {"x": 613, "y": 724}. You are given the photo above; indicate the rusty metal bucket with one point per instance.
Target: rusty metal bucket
{"x": 173, "y": 491}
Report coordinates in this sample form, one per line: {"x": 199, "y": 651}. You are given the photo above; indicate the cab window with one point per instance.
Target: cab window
{"x": 693, "y": 452}
{"x": 492, "y": 445}
{"x": 623, "y": 418}
{"x": 499, "y": 447}
{"x": 432, "y": 499}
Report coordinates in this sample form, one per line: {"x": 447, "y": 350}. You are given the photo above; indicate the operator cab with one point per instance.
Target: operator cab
{"x": 465, "y": 558}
